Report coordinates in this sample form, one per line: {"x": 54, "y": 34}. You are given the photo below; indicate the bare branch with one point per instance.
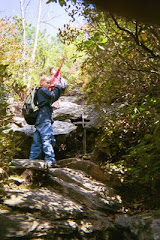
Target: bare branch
{"x": 45, "y": 22}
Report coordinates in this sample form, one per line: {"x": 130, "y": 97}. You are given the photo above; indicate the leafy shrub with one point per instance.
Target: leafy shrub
{"x": 8, "y": 143}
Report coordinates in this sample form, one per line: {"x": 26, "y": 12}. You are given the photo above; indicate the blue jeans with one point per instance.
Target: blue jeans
{"x": 43, "y": 142}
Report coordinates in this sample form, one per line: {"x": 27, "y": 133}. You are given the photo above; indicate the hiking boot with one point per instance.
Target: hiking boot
{"x": 51, "y": 164}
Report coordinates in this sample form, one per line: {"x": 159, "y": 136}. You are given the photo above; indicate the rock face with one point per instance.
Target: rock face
{"x": 68, "y": 204}
{"x": 73, "y": 202}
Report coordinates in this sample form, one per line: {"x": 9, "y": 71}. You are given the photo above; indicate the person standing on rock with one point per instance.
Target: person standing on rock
{"x": 43, "y": 138}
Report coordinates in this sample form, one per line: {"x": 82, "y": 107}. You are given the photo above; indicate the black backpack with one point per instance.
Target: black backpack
{"x": 30, "y": 108}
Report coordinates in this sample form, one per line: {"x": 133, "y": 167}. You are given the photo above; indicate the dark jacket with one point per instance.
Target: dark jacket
{"x": 45, "y": 100}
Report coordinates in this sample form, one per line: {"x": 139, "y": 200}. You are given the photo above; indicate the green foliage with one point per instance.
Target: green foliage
{"x": 8, "y": 143}
{"x": 142, "y": 158}
{"x": 122, "y": 68}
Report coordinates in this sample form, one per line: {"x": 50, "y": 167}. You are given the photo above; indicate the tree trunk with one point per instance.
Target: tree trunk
{"x": 35, "y": 45}
{"x": 24, "y": 39}
{"x": 37, "y": 31}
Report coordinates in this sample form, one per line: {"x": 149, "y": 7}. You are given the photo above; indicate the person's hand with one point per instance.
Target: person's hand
{"x": 63, "y": 58}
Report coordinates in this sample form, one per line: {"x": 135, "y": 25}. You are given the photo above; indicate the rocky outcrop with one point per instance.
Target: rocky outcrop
{"x": 75, "y": 201}
{"x": 66, "y": 203}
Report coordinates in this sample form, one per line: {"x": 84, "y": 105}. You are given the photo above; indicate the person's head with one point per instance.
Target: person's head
{"x": 53, "y": 71}
{"x": 45, "y": 81}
